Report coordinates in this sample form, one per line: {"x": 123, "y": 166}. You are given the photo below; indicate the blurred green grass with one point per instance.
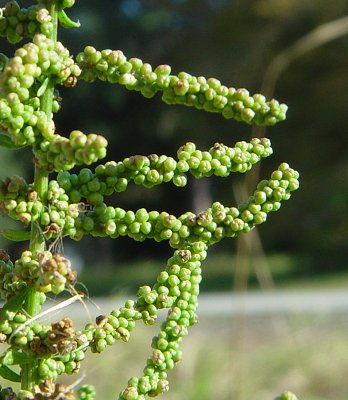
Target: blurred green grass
{"x": 240, "y": 358}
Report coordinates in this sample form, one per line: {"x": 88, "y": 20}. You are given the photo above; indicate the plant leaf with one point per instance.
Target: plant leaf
{"x": 5, "y": 141}
{"x": 66, "y": 22}
{"x": 43, "y": 87}
{"x": 16, "y": 236}
{"x": 15, "y": 303}
{"x": 8, "y": 374}
{"x": 12, "y": 357}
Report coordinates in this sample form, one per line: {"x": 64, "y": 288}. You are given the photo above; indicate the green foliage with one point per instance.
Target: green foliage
{"x": 73, "y": 204}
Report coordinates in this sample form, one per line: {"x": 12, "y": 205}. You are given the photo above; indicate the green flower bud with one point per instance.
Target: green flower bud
{"x": 260, "y": 217}
{"x": 163, "y": 70}
{"x": 151, "y": 297}
{"x": 286, "y": 396}
{"x": 130, "y": 393}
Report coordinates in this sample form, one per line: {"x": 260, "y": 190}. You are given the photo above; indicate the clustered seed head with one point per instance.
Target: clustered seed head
{"x": 17, "y": 23}
{"x": 177, "y": 288}
{"x": 152, "y": 170}
{"x": 10, "y": 280}
{"x": 59, "y": 340}
{"x": 14, "y": 330}
{"x": 74, "y": 203}
{"x": 19, "y": 200}
{"x": 23, "y": 81}
{"x": 86, "y": 392}
{"x": 204, "y": 94}
{"x": 48, "y": 390}
{"x": 45, "y": 271}
{"x": 62, "y": 154}
{"x": 117, "y": 325}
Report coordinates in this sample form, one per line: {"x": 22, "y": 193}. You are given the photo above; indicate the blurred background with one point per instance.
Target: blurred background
{"x": 294, "y": 50}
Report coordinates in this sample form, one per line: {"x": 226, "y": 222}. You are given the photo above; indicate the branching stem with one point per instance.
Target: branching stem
{"x": 37, "y": 242}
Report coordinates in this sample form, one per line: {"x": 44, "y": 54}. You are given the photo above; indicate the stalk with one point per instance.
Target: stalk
{"x": 32, "y": 303}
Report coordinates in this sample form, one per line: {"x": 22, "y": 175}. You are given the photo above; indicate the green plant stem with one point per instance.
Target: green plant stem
{"x": 32, "y": 303}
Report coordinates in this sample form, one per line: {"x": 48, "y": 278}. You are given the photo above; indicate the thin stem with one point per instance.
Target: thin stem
{"x": 32, "y": 304}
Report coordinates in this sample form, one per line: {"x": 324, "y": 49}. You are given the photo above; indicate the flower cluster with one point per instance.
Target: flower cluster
{"x": 76, "y": 201}
{"x": 73, "y": 204}
{"x": 117, "y": 325}
{"x": 67, "y": 214}
{"x": 204, "y": 94}
{"x": 24, "y": 79}
{"x": 152, "y": 170}
{"x": 61, "y": 153}
{"x": 59, "y": 340}
{"x": 17, "y": 23}
{"x": 86, "y": 392}
{"x": 177, "y": 288}
{"x": 46, "y": 272}
{"x": 47, "y": 390}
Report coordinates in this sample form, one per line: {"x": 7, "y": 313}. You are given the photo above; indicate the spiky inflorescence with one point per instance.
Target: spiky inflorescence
{"x": 73, "y": 204}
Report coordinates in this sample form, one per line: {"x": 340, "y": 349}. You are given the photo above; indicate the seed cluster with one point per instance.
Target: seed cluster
{"x": 10, "y": 283}
{"x": 48, "y": 390}
{"x": 24, "y": 79}
{"x": 17, "y": 23}
{"x": 204, "y": 94}
{"x": 59, "y": 340}
{"x": 67, "y": 214}
{"x": 44, "y": 271}
{"x": 73, "y": 204}
{"x": 177, "y": 288}
{"x": 86, "y": 392}
{"x": 152, "y": 170}
{"x": 61, "y": 153}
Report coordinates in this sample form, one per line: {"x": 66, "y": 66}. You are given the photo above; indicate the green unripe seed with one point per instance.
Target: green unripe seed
{"x": 130, "y": 393}
{"x": 169, "y": 164}
{"x": 135, "y": 227}
{"x": 260, "y": 197}
{"x": 129, "y": 217}
{"x": 95, "y": 198}
{"x": 276, "y": 206}
{"x": 260, "y": 217}
{"x": 267, "y": 207}
{"x": 163, "y": 70}
{"x": 141, "y": 215}
{"x": 181, "y": 87}
{"x": 150, "y": 297}
{"x": 278, "y": 194}
{"x": 293, "y": 184}
{"x": 145, "y": 228}
{"x": 173, "y": 280}
{"x": 180, "y": 180}
{"x": 100, "y": 346}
